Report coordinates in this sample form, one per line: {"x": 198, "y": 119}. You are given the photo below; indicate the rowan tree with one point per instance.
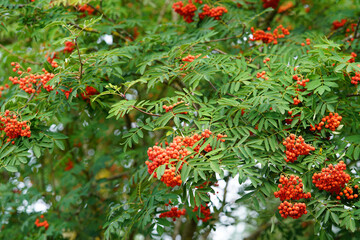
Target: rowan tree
{"x": 180, "y": 119}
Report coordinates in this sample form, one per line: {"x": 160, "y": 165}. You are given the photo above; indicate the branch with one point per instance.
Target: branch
{"x": 81, "y": 63}
{"x": 162, "y": 11}
{"x": 353, "y": 95}
{"x": 120, "y": 175}
{"x": 31, "y": 97}
{"x": 19, "y": 57}
{"x": 357, "y": 28}
{"x": 134, "y": 107}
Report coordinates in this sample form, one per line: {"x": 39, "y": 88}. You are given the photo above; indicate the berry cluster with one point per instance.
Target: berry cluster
{"x": 356, "y": 79}
{"x": 353, "y": 56}
{"x": 332, "y": 122}
{"x": 188, "y": 11}
{"x": 188, "y": 58}
{"x": 285, "y": 6}
{"x": 44, "y": 224}
{"x": 266, "y": 60}
{"x": 29, "y": 82}
{"x": 87, "y": 9}
{"x": 296, "y": 147}
{"x": 295, "y": 211}
{"x": 205, "y": 213}
{"x": 348, "y": 193}
{"x": 170, "y": 108}
{"x": 268, "y": 37}
{"x": 12, "y": 127}
{"x": 332, "y": 178}
{"x": 262, "y": 75}
{"x": 176, "y": 150}
{"x": 67, "y": 93}
{"x": 296, "y": 101}
{"x": 270, "y": 3}
{"x": 69, "y": 47}
{"x": 307, "y": 42}
{"x": 69, "y": 165}
{"x": 51, "y": 59}
{"x": 291, "y": 189}
{"x": 89, "y": 91}
{"x": 336, "y": 24}
{"x": 215, "y": 12}
{"x": 2, "y": 88}
{"x": 173, "y": 213}
{"x": 300, "y": 81}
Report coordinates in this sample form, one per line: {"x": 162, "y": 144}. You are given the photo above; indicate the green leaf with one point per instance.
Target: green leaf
{"x": 11, "y": 168}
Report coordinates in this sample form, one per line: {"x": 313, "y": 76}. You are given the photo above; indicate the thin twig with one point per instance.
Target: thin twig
{"x": 353, "y": 95}
{"x": 219, "y": 51}
{"x": 31, "y": 97}
{"x": 163, "y": 11}
{"x": 19, "y": 57}
{"x": 357, "y": 28}
{"x": 120, "y": 175}
{"x": 81, "y": 63}
{"x": 140, "y": 110}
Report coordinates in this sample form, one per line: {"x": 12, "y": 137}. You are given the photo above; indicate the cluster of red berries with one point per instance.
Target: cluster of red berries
{"x": 12, "y": 127}
{"x": 295, "y": 211}
{"x": 170, "y": 108}
{"x": 67, "y": 93}
{"x": 353, "y": 56}
{"x": 296, "y": 147}
{"x": 86, "y": 9}
{"x": 89, "y": 91}
{"x": 29, "y": 82}
{"x": 262, "y": 75}
{"x": 215, "y": 12}
{"x": 348, "y": 193}
{"x": 51, "y": 59}
{"x": 188, "y": 11}
{"x": 332, "y": 122}
{"x": 2, "y": 88}
{"x": 188, "y": 58}
{"x": 266, "y": 60}
{"x": 173, "y": 213}
{"x": 176, "y": 150}
{"x": 44, "y": 224}
{"x": 351, "y": 29}
{"x": 296, "y": 101}
{"x": 299, "y": 80}
{"x": 285, "y": 6}
{"x": 69, "y": 47}
{"x": 205, "y": 213}
{"x": 336, "y": 24}
{"x": 307, "y": 42}
{"x": 291, "y": 189}
{"x": 356, "y": 79}
{"x": 332, "y": 178}
{"x": 268, "y": 37}
{"x": 270, "y": 3}
{"x": 69, "y": 165}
